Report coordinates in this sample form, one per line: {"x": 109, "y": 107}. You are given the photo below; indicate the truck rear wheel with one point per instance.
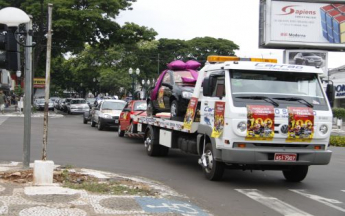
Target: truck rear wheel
{"x": 214, "y": 169}
{"x": 151, "y": 142}
{"x": 296, "y": 173}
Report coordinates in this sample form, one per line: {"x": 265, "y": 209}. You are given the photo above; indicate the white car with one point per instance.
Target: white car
{"x": 39, "y": 104}
{"x": 78, "y": 105}
{"x": 107, "y": 113}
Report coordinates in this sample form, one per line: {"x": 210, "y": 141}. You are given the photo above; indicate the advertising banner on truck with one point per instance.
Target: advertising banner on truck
{"x": 310, "y": 24}
{"x": 260, "y": 122}
{"x": 301, "y": 124}
{"x": 218, "y": 127}
{"x": 190, "y": 113}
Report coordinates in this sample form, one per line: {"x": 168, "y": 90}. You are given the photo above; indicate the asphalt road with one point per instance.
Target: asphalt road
{"x": 239, "y": 193}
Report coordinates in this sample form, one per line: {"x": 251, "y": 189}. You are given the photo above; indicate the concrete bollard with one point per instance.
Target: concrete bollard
{"x": 43, "y": 172}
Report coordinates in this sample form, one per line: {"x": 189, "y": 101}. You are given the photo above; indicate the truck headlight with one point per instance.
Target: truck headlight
{"x": 187, "y": 95}
{"x": 73, "y": 107}
{"x": 323, "y": 129}
{"x": 242, "y": 126}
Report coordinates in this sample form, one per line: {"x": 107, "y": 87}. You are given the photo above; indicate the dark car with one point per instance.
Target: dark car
{"x": 172, "y": 94}
{"x": 308, "y": 59}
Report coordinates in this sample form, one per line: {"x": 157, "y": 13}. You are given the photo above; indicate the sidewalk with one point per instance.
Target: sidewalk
{"x": 133, "y": 195}
{"x": 10, "y": 112}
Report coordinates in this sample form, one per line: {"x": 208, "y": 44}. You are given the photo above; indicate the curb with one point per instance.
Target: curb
{"x": 27, "y": 199}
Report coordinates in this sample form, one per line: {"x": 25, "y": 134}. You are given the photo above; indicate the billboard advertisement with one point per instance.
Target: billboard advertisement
{"x": 315, "y": 58}
{"x": 308, "y": 24}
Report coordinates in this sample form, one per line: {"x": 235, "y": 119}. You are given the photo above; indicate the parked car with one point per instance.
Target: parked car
{"x": 135, "y": 107}
{"x": 56, "y": 103}
{"x": 78, "y": 105}
{"x": 107, "y": 113}
{"x": 91, "y": 102}
{"x": 61, "y": 103}
{"x": 308, "y": 59}
{"x": 66, "y": 104}
{"x": 40, "y": 103}
{"x": 172, "y": 94}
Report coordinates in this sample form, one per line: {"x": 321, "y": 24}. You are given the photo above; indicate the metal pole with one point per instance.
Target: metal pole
{"x": 27, "y": 98}
{"x": 133, "y": 87}
{"x": 46, "y": 102}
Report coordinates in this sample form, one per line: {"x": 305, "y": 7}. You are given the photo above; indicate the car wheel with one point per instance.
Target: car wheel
{"x": 120, "y": 132}
{"x": 100, "y": 125}
{"x": 296, "y": 173}
{"x": 150, "y": 109}
{"x": 93, "y": 124}
{"x": 213, "y": 169}
{"x": 84, "y": 120}
{"x": 174, "y": 110}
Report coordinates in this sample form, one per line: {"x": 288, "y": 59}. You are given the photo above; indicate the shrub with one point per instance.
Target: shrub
{"x": 338, "y": 113}
{"x": 337, "y": 141}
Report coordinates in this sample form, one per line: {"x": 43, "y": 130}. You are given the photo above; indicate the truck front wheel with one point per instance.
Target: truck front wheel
{"x": 213, "y": 169}
{"x": 296, "y": 173}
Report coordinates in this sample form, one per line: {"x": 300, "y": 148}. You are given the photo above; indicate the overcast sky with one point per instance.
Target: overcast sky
{"x": 235, "y": 20}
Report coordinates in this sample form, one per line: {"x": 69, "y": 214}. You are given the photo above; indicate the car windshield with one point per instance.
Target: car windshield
{"x": 140, "y": 106}
{"x": 81, "y": 101}
{"x": 112, "y": 105}
{"x": 91, "y": 100}
{"x": 281, "y": 87}
{"x": 179, "y": 75}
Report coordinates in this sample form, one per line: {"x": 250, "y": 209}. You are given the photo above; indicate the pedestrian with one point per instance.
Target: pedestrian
{"x": 2, "y": 102}
{"x": 16, "y": 99}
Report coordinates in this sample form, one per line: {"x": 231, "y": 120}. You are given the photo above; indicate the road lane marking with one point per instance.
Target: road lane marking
{"x": 3, "y": 119}
{"x": 326, "y": 201}
{"x": 273, "y": 203}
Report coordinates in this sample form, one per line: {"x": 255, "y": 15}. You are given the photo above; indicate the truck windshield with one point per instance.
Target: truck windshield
{"x": 285, "y": 88}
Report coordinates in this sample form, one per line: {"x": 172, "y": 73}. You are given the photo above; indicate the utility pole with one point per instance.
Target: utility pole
{"x": 46, "y": 103}
{"x": 27, "y": 98}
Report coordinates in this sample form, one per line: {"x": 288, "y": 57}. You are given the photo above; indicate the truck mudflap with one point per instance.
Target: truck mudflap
{"x": 268, "y": 157}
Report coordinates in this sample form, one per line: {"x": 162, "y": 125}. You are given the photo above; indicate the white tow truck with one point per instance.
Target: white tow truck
{"x": 250, "y": 114}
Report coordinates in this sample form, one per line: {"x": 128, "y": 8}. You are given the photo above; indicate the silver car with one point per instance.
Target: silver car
{"x": 39, "y": 104}
{"x": 78, "y": 105}
{"x": 107, "y": 113}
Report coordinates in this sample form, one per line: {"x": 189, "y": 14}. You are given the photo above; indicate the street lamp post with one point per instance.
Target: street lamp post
{"x": 145, "y": 88}
{"x": 137, "y": 72}
{"x": 12, "y": 17}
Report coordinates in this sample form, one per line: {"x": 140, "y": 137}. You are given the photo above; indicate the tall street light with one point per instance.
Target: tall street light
{"x": 12, "y": 17}
{"x": 137, "y": 72}
{"x": 145, "y": 88}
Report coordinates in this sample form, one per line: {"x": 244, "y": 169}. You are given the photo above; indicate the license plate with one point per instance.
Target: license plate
{"x": 116, "y": 121}
{"x": 285, "y": 157}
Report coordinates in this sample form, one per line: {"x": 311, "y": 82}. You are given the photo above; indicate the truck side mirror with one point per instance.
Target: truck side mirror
{"x": 330, "y": 92}
{"x": 207, "y": 87}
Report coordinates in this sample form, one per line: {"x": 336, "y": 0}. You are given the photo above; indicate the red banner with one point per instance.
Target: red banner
{"x": 190, "y": 113}
{"x": 260, "y": 122}
{"x": 301, "y": 124}
{"x": 219, "y": 109}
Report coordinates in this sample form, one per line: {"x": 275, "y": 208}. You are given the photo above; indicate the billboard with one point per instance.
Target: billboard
{"x": 315, "y": 58}
{"x": 302, "y": 24}
{"x": 39, "y": 82}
